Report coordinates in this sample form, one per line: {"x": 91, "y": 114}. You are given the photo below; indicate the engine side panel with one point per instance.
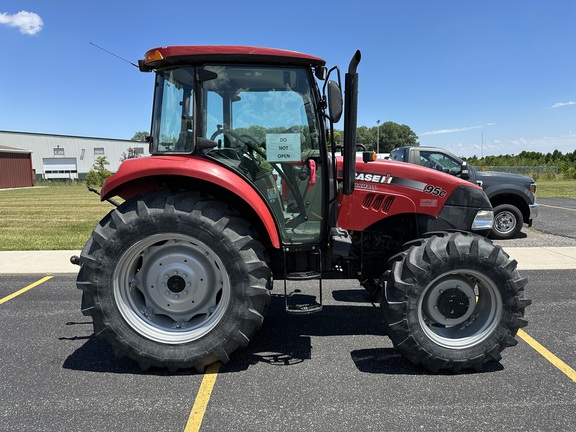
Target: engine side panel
{"x": 385, "y": 188}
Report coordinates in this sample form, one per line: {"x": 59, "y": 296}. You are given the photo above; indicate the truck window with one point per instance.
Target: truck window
{"x": 397, "y": 155}
{"x": 440, "y": 161}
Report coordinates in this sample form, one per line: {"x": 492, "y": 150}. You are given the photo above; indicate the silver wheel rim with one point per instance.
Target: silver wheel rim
{"x": 460, "y": 310}
{"x": 171, "y": 288}
{"x": 505, "y": 222}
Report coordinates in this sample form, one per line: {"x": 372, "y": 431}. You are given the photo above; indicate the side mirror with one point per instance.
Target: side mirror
{"x": 464, "y": 171}
{"x": 334, "y": 101}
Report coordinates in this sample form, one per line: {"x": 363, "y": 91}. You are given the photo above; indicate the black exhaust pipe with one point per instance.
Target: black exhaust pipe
{"x": 350, "y": 120}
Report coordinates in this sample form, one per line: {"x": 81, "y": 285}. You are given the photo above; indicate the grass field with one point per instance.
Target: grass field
{"x": 556, "y": 189}
{"x": 48, "y": 218}
{"x": 61, "y": 217}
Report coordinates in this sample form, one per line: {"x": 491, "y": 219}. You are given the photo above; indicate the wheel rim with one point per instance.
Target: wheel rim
{"x": 505, "y": 222}
{"x": 171, "y": 288}
{"x": 460, "y": 310}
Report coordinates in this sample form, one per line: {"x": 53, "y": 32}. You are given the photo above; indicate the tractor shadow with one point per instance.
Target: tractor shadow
{"x": 283, "y": 340}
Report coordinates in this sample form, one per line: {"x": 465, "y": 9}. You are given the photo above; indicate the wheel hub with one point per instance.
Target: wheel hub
{"x": 450, "y": 301}
{"x": 505, "y": 222}
{"x": 176, "y": 284}
{"x": 453, "y": 303}
{"x": 178, "y": 280}
{"x": 171, "y": 288}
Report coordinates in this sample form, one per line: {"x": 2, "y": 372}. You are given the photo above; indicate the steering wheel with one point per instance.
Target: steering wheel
{"x": 254, "y": 145}
{"x": 238, "y": 141}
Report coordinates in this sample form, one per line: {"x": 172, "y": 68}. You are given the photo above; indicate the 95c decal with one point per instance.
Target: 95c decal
{"x": 435, "y": 190}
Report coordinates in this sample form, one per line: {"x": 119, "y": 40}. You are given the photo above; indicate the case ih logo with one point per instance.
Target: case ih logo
{"x": 374, "y": 178}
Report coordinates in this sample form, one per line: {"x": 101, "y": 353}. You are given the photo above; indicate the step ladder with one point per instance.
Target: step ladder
{"x": 291, "y": 302}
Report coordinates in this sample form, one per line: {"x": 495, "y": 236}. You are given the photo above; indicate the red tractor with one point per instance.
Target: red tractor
{"x": 246, "y": 185}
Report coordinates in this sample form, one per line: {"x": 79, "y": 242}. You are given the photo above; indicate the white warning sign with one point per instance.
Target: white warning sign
{"x": 283, "y": 147}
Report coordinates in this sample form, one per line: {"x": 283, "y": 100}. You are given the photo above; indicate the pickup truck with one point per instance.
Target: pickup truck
{"x": 513, "y": 196}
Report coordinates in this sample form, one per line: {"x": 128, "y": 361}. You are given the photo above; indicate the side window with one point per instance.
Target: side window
{"x": 214, "y": 113}
{"x": 440, "y": 162}
{"x": 397, "y": 155}
{"x": 173, "y": 132}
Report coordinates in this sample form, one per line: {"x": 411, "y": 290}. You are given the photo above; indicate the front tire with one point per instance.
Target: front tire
{"x": 174, "y": 280}
{"x": 508, "y": 221}
{"x": 454, "y": 301}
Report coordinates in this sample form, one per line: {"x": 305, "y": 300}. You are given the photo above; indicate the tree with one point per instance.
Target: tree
{"x": 390, "y": 136}
{"x": 140, "y": 136}
{"x": 130, "y": 155}
{"x": 99, "y": 173}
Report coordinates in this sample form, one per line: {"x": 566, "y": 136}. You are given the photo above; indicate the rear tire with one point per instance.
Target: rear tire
{"x": 454, "y": 301}
{"x": 175, "y": 281}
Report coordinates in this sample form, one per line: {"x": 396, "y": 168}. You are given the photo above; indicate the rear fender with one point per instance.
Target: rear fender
{"x": 137, "y": 176}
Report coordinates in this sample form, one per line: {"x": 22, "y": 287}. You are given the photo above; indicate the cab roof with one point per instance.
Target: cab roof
{"x": 198, "y": 54}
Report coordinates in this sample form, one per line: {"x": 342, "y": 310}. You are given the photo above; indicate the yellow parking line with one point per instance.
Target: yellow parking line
{"x": 202, "y": 398}
{"x": 551, "y": 206}
{"x": 23, "y": 290}
{"x": 571, "y": 373}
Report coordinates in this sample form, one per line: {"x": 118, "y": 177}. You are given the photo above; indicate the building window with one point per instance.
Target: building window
{"x": 98, "y": 151}
{"x": 138, "y": 150}
{"x": 58, "y": 151}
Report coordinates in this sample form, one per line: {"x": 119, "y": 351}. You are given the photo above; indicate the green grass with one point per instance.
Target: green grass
{"x": 58, "y": 217}
{"x": 49, "y": 218}
{"x": 556, "y": 189}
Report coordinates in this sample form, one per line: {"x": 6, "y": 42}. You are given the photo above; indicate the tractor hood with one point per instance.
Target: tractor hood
{"x": 385, "y": 171}
{"x": 395, "y": 188}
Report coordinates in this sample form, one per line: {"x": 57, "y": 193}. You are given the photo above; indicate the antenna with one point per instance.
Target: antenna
{"x": 115, "y": 55}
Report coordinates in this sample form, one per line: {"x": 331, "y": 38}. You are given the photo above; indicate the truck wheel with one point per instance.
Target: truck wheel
{"x": 508, "y": 221}
{"x": 454, "y": 302}
{"x": 174, "y": 280}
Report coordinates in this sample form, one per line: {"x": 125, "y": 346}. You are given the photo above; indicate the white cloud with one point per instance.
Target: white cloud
{"x": 563, "y": 104}
{"x": 546, "y": 144}
{"x": 27, "y": 22}
{"x": 445, "y": 131}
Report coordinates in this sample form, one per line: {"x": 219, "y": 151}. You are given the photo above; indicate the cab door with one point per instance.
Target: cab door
{"x": 266, "y": 127}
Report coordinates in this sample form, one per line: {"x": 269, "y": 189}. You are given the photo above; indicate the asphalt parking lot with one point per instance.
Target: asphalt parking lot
{"x": 331, "y": 371}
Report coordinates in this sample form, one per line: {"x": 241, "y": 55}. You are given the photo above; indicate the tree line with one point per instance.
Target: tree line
{"x": 566, "y": 163}
{"x": 391, "y": 135}
{"x": 387, "y": 136}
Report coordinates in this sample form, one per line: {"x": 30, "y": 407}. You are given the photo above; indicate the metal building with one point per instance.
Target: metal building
{"x": 70, "y": 157}
{"x": 15, "y": 168}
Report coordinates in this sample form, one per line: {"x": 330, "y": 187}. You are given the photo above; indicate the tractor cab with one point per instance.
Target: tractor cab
{"x": 264, "y": 121}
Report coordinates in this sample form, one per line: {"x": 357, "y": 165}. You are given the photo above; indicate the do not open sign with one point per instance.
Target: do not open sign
{"x": 283, "y": 147}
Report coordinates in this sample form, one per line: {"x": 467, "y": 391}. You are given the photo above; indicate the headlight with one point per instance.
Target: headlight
{"x": 484, "y": 220}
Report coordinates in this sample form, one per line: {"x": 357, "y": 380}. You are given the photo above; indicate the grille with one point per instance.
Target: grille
{"x": 378, "y": 202}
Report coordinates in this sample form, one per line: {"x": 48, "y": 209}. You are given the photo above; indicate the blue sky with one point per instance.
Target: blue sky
{"x": 481, "y": 77}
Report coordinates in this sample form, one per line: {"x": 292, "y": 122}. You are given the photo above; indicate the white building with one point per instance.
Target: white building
{"x": 70, "y": 157}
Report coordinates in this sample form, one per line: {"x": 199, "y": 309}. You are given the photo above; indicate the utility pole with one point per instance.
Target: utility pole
{"x": 377, "y": 136}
